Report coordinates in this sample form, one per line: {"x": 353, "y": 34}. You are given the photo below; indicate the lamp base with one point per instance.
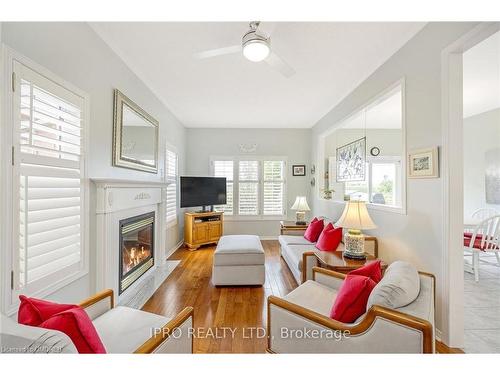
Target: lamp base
{"x": 354, "y": 242}
{"x": 300, "y": 218}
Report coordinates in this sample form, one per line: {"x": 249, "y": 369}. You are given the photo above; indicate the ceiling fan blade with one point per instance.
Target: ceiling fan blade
{"x": 280, "y": 65}
{"x": 218, "y": 52}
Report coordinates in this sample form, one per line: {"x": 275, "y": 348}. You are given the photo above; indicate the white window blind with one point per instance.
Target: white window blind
{"x": 171, "y": 177}
{"x": 225, "y": 168}
{"x": 248, "y": 184}
{"x": 273, "y": 187}
{"x": 48, "y": 171}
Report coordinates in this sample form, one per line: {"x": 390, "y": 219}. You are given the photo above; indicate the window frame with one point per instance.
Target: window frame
{"x": 212, "y": 173}
{"x": 169, "y": 180}
{"x": 10, "y": 169}
{"x": 260, "y": 216}
{"x": 400, "y": 85}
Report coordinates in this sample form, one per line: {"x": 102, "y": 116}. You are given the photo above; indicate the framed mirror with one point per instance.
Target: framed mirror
{"x": 135, "y": 136}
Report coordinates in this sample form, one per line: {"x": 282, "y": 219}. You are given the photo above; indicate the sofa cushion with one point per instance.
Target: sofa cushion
{"x": 239, "y": 244}
{"x": 314, "y": 230}
{"x": 399, "y": 286}
{"x": 295, "y": 252}
{"x": 77, "y": 325}
{"x": 134, "y": 327}
{"x": 329, "y": 239}
{"x": 373, "y": 270}
{"x": 351, "y": 299}
{"x": 313, "y": 296}
{"x": 286, "y": 240}
{"x": 34, "y": 311}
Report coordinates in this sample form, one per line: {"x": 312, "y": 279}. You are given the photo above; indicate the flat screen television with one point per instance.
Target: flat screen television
{"x": 202, "y": 191}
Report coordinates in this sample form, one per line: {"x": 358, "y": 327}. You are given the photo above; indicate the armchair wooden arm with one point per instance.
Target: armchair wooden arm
{"x": 330, "y": 273}
{"x": 99, "y": 303}
{"x": 166, "y": 331}
{"x": 106, "y": 293}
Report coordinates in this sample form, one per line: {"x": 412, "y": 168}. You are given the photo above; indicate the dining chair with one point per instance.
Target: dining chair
{"x": 485, "y": 238}
{"x": 484, "y": 213}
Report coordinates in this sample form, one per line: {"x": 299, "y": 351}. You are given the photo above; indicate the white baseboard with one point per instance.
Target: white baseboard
{"x": 264, "y": 238}
{"x": 175, "y": 248}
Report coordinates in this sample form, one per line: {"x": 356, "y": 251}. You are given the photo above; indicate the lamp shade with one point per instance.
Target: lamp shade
{"x": 300, "y": 204}
{"x": 355, "y": 216}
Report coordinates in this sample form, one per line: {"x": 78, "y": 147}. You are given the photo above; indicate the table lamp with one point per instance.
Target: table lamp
{"x": 301, "y": 206}
{"x": 355, "y": 218}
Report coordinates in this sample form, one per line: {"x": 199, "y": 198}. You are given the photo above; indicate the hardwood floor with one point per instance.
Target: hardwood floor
{"x": 225, "y": 316}
{"x": 236, "y": 312}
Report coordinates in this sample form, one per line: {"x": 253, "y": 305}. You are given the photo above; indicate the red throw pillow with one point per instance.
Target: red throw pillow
{"x": 351, "y": 299}
{"x": 33, "y": 311}
{"x": 314, "y": 230}
{"x": 330, "y": 238}
{"x": 77, "y": 325}
{"x": 373, "y": 270}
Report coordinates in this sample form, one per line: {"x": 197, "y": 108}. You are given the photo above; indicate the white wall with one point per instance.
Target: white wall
{"x": 74, "y": 52}
{"x": 292, "y": 143}
{"x": 417, "y": 236}
{"x": 481, "y": 134}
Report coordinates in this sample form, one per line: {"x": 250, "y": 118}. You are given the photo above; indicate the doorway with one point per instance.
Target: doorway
{"x": 455, "y": 318}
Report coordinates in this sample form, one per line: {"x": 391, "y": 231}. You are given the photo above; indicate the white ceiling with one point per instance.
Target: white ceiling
{"x": 481, "y": 66}
{"x": 330, "y": 60}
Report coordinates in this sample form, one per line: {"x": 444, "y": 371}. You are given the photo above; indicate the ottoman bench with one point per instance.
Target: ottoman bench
{"x": 239, "y": 260}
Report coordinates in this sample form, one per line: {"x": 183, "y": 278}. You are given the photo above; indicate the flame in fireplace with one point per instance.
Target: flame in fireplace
{"x": 134, "y": 255}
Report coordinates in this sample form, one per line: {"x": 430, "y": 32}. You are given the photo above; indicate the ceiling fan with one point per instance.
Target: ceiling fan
{"x": 255, "y": 46}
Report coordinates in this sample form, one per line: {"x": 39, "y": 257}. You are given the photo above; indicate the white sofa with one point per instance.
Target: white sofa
{"x": 304, "y": 312}
{"x": 297, "y": 251}
{"x": 121, "y": 330}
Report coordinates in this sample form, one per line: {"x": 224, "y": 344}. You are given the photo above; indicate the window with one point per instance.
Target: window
{"x": 381, "y": 124}
{"x": 48, "y": 176}
{"x": 274, "y": 187}
{"x": 224, "y": 168}
{"x": 381, "y": 183}
{"x": 254, "y": 187}
{"x": 248, "y": 183}
{"x": 171, "y": 179}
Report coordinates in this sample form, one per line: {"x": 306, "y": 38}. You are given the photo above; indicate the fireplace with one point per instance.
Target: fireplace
{"x": 136, "y": 248}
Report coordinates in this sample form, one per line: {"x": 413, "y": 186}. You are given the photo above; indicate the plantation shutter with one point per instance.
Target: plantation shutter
{"x": 224, "y": 168}
{"x": 48, "y": 170}
{"x": 273, "y": 187}
{"x": 171, "y": 172}
{"x": 248, "y": 184}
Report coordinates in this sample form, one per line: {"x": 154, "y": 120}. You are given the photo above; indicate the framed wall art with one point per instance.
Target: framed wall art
{"x": 299, "y": 170}
{"x": 351, "y": 161}
{"x": 423, "y": 163}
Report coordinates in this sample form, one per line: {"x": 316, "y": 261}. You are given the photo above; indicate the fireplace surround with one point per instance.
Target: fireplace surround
{"x": 118, "y": 203}
{"x": 136, "y": 248}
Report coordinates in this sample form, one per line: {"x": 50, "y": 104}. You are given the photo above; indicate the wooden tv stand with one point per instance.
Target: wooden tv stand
{"x": 202, "y": 228}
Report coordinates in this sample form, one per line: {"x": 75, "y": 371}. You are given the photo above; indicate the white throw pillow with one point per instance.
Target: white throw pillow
{"x": 399, "y": 287}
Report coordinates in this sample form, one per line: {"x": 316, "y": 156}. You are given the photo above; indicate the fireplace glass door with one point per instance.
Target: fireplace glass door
{"x": 136, "y": 248}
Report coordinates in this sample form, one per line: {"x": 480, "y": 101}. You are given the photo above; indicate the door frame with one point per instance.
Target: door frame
{"x": 452, "y": 333}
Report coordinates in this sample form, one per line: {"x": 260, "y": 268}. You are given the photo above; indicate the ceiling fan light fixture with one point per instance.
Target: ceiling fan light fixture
{"x": 256, "y": 50}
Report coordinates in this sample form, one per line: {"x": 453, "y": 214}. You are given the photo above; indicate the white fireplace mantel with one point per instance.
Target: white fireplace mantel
{"x": 117, "y": 200}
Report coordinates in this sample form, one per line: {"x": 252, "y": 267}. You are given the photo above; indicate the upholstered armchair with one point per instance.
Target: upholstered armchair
{"x": 121, "y": 330}
{"x": 126, "y": 330}
{"x": 300, "y": 322}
